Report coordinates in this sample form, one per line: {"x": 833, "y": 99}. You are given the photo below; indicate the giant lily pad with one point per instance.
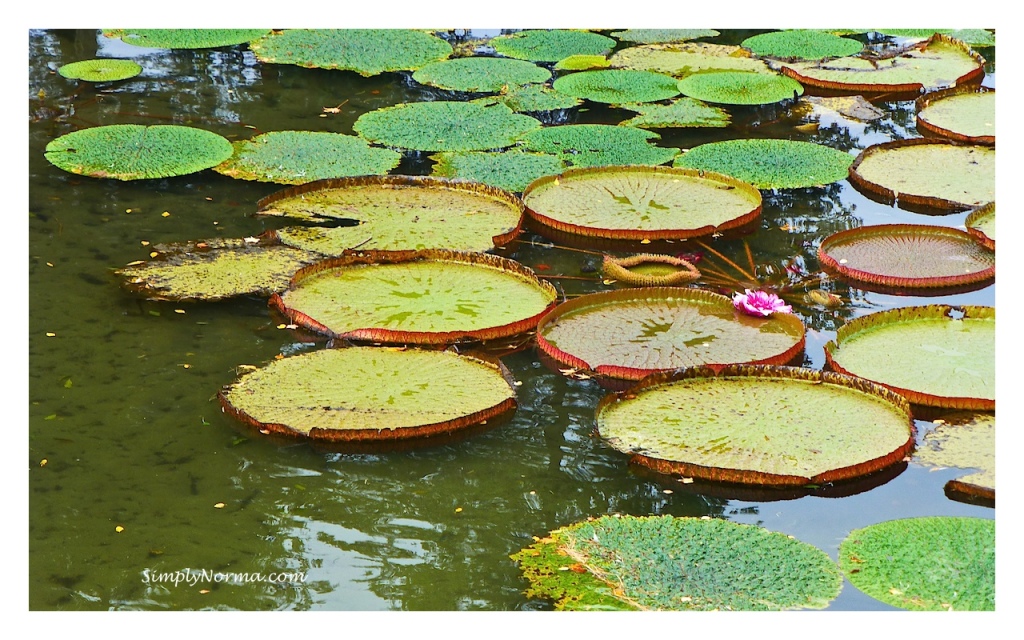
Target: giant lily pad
{"x": 656, "y": 36}
{"x": 367, "y": 393}
{"x": 641, "y": 203}
{"x": 681, "y": 60}
{"x": 927, "y": 174}
{"x": 936, "y": 564}
{"x": 630, "y": 333}
{"x": 444, "y": 126}
{"x": 770, "y": 163}
{"x": 981, "y": 223}
{"x": 596, "y": 145}
{"x": 680, "y": 564}
{"x": 100, "y": 70}
{"x": 531, "y": 98}
{"x": 397, "y": 213}
{"x": 480, "y": 74}
{"x": 907, "y": 256}
{"x": 616, "y": 86}
{"x": 368, "y": 52}
{"x": 928, "y": 354}
{"x": 801, "y": 44}
{"x": 551, "y": 45}
{"x": 973, "y": 37}
{"x": 509, "y": 170}
{"x": 416, "y": 297}
{"x": 964, "y": 440}
{"x": 964, "y": 114}
{"x": 684, "y": 112}
{"x": 185, "y": 38}
{"x": 298, "y": 157}
{"x": 216, "y": 269}
{"x": 740, "y": 87}
{"x": 772, "y": 426}
{"x": 137, "y": 152}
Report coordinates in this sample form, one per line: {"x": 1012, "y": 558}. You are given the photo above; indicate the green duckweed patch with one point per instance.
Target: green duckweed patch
{"x": 801, "y": 44}
{"x": 551, "y": 45}
{"x": 367, "y": 52}
{"x": 739, "y": 87}
{"x": 101, "y": 70}
{"x": 185, "y": 38}
{"x": 592, "y": 145}
{"x": 770, "y": 163}
{"x": 480, "y": 74}
{"x": 615, "y": 86}
{"x": 510, "y": 170}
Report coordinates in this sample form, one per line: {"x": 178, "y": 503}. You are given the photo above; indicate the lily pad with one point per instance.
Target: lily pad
{"x": 929, "y": 354}
{"x": 964, "y": 114}
{"x": 216, "y": 269}
{"x": 416, "y": 297}
{"x": 100, "y": 70}
{"x": 770, "y": 163}
{"x": 656, "y": 36}
{"x": 852, "y": 107}
{"x": 581, "y": 63}
{"x": 551, "y": 45}
{"x": 138, "y": 152}
{"x": 391, "y": 213}
{"x": 965, "y": 441}
{"x": 981, "y": 223}
{"x": 298, "y": 157}
{"x": 531, "y": 98}
{"x": 368, "y": 52}
{"x": 681, "y": 60}
{"x": 680, "y": 564}
{"x": 444, "y": 126}
{"x": 641, "y": 203}
{"x": 616, "y": 86}
{"x": 598, "y": 145}
{"x": 367, "y": 393}
{"x": 740, "y": 87}
{"x": 973, "y": 37}
{"x": 907, "y": 256}
{"x": 630, "y": 333}
{"x": 510, "y": 170}
{"x": 774, "y": 426}
{"x": 684, "y": 112}
{"x": 927, "y": 174}
{"x": 801, "y": 44}
{"x": 649, "y": 270}
{"x": 185, "y": 38}
{"x": 480, "y": 74}
{"x": 937, "y": 563}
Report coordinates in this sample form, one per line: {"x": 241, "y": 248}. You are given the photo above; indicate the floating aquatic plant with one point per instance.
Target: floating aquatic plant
{"x": 739, "y": 87}
{"x": 511, "y": 170}
{"x": 649, "y": 270}
{"x": 801, "y": 44}
{"x": 964, "y": 114}
{"x": 551, "y": 45}
{"x": 185, "y": 38}
{"x": 100, "y": 70}
{"x": 480, "y": 74}
{"x": 770, "y": 163}
{"x": 760, "y": 303}
{"x": 581, "y": 63}
{"x": 656, "y": 36}
{"x": 616, "y": 86}
{"x": 444, "y": 126}
{"x": 966, "y": 441}
{"x": 684, "y": 112}
{"x": 531, "y": 98}
{"x": 981, "y": 223}
{"x": 681, "y": 60}
{"x": 973, "y": 37}
{"x": 597, "y": 145}
{"x": 368, "y": 52}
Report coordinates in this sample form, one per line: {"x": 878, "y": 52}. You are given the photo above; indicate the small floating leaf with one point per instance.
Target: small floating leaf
{"x": 739, "y": 87}
{"x": 616, "y": 86}
{"x": 100, "y": 70}
{"x": 444, "y": 126}
{"x": 595, "y": 145}
{"x": 551, "y": 45}
{"x": 368, "y": 52}
{"x": 770, "y": 163}
{"x": 684, "y": 112}
{"x": 480, "y": 74}
{"x": 801, "y": 44}
{"x": 531, "y": 98}
{"x": 510, "y": 170}
{"x": 185, "y": 38}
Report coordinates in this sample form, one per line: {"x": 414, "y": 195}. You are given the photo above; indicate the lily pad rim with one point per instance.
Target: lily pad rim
{"x": 971, "y": 223}
{"x": 927, "y": 99}
{"x": 618, "y": 269}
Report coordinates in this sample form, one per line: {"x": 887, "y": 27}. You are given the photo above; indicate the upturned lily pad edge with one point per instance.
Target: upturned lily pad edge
{"x": 924, "y": 126}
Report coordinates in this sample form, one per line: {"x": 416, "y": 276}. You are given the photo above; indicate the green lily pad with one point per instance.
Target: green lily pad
{"x": 981, "y": 223}
{"x": 368, "y": 52}
{"x": 421, "y": 297}
{"x": 480, "y": 74}
{"x": 965, "y": 441}
{"x": 801, "y": 44}
{"x": 770, "y": 163}
{"x": 101, "y": 70}
{"x": 961, "y": 114}
{"x": 138, "y": 152}
{"x": 596, "y": 145}
{"x": 973, "y": 37}
{"x": 759, "y": 425}
{"x": 935, "y": 564}
{"x": 394, "y": 213}
{"x": 581, "y": 63}
{"x": 531, "y": 98}
{"x": 681, "y": 60}
{"x": 641, "y": 203}
{"x": 649, "y": 270}
{"x": 927, "y": 354}
{"x": 298, "y": 157}
{"x": 551, "y": 45}
{"x": 615, "y": 86}
{"x": 928, "y": 174}
{"x": 185, "y": 38}
{"x": 216, "y": 269}
{"x": 740, "y": 87}
{"x": 684, "y": 112}
{"x": 444, "y": 126}
{"x": 368, "y": 393}
{"x": 630, "y": 333}
{"x": 679, "y": 564}
{"x": 656, "y": 36}
{"x": 511, "y": 170}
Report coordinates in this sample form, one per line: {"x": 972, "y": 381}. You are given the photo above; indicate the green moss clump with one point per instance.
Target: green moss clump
{"x": 616, "y": 86}
{"x": 801, "y": 44}
{"x": 444, "y": 126}
{"x": 100, "y": 70}
{"x": 185, "y": 38}
{"x": 479, "y": 74}
{"x": 740, "y": 87}
{"x": 770, "y": 163}
{"x": 593, "y": 145}
{"x": 368, "y": 52}
{"x": 510, "y": 170}
{"x": 551, "y": 45}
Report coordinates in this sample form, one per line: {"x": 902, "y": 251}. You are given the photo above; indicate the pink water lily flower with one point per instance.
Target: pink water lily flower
{"x": 760, "y": 303}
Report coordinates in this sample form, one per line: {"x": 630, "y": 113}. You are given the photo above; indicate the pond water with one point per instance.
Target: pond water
{"x": 143, "y": 473}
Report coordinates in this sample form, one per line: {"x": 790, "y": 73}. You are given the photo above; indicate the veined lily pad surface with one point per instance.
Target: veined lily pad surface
{"x": 637, "y": 203}
{"x": 186, "y": 38}
{"x": 444, "y": 126}
{"x": 929, "y": 174}
{"x": 298, "y": 157}
{"x": 397, "y": 213}
{"x": 681, "y": 60}
{"x": 964, "y": 440}
{"x": 510, "y": 170}
{"x": 422, "y": 297}
{"x": 801, "y": 44}
{"x": 684, "y": 112}
{"x": 926, "y": 564}
{"x": 616, "y": 86}
{"x": 138, "y": 152}
{"x": 367, "y": 393}
{"x": 551, "y": 45}
{"x": 981, "y": 223}
{"x": 961, "y": 114}
{"x": 368, "y": 52}
{"x": 655, "y": 36}
{"x": 531, "y": 98}
{"x": 928, "y": 354}
{"x": 740, "y": 87}
{"x": 480, "y": 74}
{"x": 101, "y": 70}
{"x": 597, "y": 145}
{"x": 630, "y": 333}
{"x": 677, "y": 564}
{"x": 759, "y": 425}
{"x": 907, "y": 256}
{"x": 770, "y": 163}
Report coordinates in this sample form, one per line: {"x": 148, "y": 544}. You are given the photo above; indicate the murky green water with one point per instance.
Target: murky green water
{"x": 133, "y": 438}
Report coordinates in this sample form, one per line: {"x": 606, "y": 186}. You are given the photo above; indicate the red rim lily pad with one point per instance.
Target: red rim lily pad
{"x": 964, "y": 114}
{"x": 650, "y": 270}
{"x": 981, "y": 223}
{"x": 964, "y": 440}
